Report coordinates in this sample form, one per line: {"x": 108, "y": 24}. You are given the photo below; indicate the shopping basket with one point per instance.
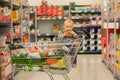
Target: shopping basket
{"x": 50, "y": 57}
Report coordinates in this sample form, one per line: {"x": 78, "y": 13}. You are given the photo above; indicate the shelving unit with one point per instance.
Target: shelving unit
{"x": 17, "y": 16}
{"x": 5, "y": 28}
{"x": 93, "y": 27}
{"x": 40, "y": 30}
{"x": 82, "y": 18}
{"x": 112, "y": 31}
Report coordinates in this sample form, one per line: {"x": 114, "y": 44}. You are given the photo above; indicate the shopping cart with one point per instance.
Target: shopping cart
{"x": 50, "y": 57}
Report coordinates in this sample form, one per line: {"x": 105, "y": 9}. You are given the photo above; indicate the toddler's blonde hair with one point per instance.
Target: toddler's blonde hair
{"x": 68, "y": 21}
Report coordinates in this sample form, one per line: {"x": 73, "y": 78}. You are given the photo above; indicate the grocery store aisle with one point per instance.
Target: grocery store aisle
{"x": 90, "y": 67}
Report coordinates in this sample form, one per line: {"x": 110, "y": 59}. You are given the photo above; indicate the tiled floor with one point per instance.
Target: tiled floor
{"x": 90, "y": 67}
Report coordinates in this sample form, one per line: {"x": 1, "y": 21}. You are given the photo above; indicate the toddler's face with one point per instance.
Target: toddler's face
{"x": 68, "y": 26}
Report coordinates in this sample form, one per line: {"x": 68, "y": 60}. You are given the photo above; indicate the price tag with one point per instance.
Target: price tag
{"x": 85, "y": 11}
{"x": 80, "y": 11}
{"x": 47, "y": 34}
{"x": 94, "y": 22}
{"x": 92, "y": 11}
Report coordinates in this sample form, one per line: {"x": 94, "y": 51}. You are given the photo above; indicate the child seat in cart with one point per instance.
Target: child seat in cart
{"x": 50, "y": 57}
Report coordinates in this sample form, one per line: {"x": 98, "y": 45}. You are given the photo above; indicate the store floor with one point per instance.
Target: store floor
{"x": 90, "y": 67}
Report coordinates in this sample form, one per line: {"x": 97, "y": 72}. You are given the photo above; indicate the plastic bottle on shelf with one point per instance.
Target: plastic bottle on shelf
{"x": 86, "y": 42}
{"x": 95, "y": 31}
{"x": 94, "y": 48}
{"x": 88, "y": 30}
{"x": 94, "y": 36}
{"x": 94, "y": 42}
{"x": 86, "y": 48}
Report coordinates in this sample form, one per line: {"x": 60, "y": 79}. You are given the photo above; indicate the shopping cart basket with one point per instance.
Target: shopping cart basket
{"x": 50, "y": 57}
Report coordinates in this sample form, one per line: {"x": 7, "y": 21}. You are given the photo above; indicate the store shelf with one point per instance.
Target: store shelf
{"x": 16, "y": 5}
{"x": 89, "y": 52}
{"x": 42, "y": 19}
{"x": 5, "y": 23}
{"x": 86, "y": 11}
{"x": 25, "y": 5}
{"x": 46, "y": 35}
{"x": 17, "y": 37}
{"x": 5, "y": 2}
{"x": 90, "y": 26}
{"x": 112, "y": 20}
{"x": 81, "y": 18}
{"x": 16, "y": 22}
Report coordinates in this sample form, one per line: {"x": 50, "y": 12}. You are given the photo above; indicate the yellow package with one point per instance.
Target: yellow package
{"x": 15, "y": 15}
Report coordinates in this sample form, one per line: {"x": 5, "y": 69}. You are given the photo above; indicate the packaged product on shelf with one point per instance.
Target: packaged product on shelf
{"x": 86, "y": 48}
{"x": 16, "y": 2}
{"x": 43, "y": 8}
{"x": 38, "y": 10}
{"x": 25, "y": 2}
{"x": 118, "y": 68}
{"x": 60, "y": 12}
{"x": 118, "y": 54}
{"x": 93, "y": 21}
{"x": 4, "y": 13}
{"x": 2, "y": 73}
{"x": 118, "y": 43}
{"x": 2, "y": 40}
{"x": 54, "y": 12}
{"x": 8, "y": 70}
{"x": 55, "y": 28}
{"x": 5, "y": 66}
{"x": 94, "y": 48}
{"x": 15, "y": 15}
{"x": 72, "y": 5}
{"x": 25, "y": 38}
{"x": 17, "y": 29}
{"x": 48, "y": 12}
{"x": 99, "y": 21}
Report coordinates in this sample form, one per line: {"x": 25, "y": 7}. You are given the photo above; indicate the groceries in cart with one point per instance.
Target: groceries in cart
{"x": 43, "y": 56}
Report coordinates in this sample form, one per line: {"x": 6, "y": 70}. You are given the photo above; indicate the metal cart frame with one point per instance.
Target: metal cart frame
{"x": 50, "y": 71}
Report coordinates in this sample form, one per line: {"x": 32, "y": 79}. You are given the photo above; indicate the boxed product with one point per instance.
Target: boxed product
{"x": 15, "y": 15}
{"x": 55, "y": 29}
{"x": 118, "y": 68}
{"x": 2, "y": 72}
{"x": 2, "y": 40}
{"x": 16, "y": 1}
{"x": 5, "y": 70}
